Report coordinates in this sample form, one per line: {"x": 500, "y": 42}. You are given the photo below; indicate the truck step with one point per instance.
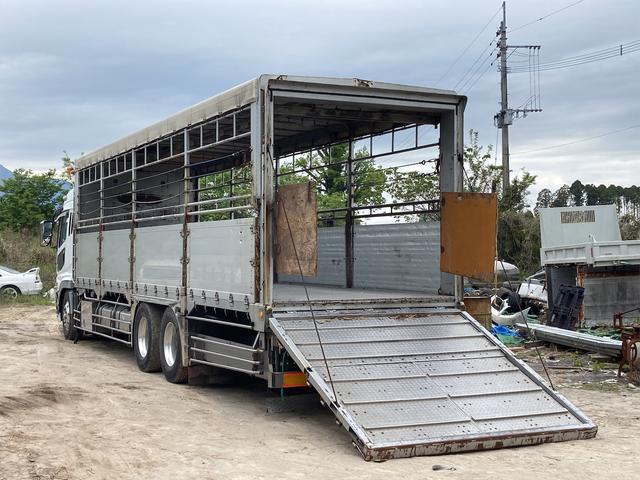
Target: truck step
{"x": 218, "y": 352}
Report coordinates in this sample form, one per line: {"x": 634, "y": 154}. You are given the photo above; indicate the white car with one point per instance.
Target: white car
{"x": 14, "y": 283}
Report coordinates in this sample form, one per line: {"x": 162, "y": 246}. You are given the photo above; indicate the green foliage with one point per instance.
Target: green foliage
{"x": 481, "y": 176}
{"x": 629, "y": 227}
{"x": 29, "y": 198}
{"x": 22, "y": 251}
{"x": 514, "y": 199}
{"x": 326, "y": 168}
{"x": 545, "y": 197}
{"x": 68, "y": 167}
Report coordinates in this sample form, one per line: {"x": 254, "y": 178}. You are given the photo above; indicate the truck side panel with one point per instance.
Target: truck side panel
{"x": 87, "y": 256}
{"x": 157, "y": 265}
{"x": 221, "y": 258}
{"x": 115, "y": 248}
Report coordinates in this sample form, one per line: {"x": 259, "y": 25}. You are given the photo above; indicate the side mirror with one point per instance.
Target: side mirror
{"x": 46, "y": 232}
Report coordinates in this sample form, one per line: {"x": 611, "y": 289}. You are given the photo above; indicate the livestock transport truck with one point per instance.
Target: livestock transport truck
{"x": 311, "y": 232}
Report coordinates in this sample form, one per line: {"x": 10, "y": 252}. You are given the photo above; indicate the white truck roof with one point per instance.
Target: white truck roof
{"x": 231, "y": 99}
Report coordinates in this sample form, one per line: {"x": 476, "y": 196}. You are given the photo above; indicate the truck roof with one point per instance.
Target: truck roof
{"x": 231, "y": 99}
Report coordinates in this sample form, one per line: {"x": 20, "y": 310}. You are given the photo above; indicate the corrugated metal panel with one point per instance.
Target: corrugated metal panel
{"x": 574, "y": 225}
{"x": 606, "y": 295}
{"x": 402, "y": 256}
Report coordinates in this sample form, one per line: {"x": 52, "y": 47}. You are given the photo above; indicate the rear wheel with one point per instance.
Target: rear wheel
{"x": 171, "y": 349}
{"x": 146, "y": 338}
{"x": 9, "y": 292}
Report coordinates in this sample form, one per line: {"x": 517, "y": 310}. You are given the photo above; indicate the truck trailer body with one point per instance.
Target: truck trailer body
{"x": 290, "y": 229}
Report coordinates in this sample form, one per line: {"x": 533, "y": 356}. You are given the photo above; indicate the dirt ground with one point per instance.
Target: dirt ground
{"x": 86, "y": 411}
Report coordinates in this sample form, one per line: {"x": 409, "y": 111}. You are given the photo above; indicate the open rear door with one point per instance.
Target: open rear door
{"x": 468, "y": 234}
{"x": 420, "y": 380}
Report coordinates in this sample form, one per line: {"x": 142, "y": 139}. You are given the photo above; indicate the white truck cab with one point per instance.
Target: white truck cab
{"x": 59, "y": 234}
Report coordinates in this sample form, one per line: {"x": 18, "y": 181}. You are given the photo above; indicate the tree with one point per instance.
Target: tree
{"x": 29, "y": 198}
{"x": 544, "y": 199}
{"x": 68, "y": 168}
{"x": 514, "y": 199}
{"x": 629, "y": 227}
{"x": 326, "y": 168}
{"x": 561, "y": 197}
{"x": 481, "y": 177}
{"x": 576, "y": 190}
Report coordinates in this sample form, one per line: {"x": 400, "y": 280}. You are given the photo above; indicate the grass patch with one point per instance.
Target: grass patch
{"x": 602, "y": 387}
{"x": 22, "y": 251}
{"x": 576, "y": 360}
{"x": 27, "y": 300}
{"x": 596, "y": 366}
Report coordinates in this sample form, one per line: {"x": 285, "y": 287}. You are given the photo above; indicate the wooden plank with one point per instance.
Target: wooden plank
{"x": 297, "y": 203}
{"x": 468, "y": 234}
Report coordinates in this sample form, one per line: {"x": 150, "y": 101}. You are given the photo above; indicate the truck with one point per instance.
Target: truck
{"x": 313, "y": 233}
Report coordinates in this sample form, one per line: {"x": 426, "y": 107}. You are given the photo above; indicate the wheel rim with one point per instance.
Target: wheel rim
{"x": 143, "y": 344}
{"x": 170, "y": 344}
{"x": 9, "y": 293}
{"x": 66, "y": 316}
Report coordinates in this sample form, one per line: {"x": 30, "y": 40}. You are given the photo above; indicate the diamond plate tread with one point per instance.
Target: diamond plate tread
{"x": 426, "y": 384}
{"x": 383, "y": 321}
{"x": 369, "y": 334}
{"x": 395, "y": 349}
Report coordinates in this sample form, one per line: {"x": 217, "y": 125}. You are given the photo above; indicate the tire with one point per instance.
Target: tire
{"x": 171, "y": 348}
{"x": 69, "y": 330}
{"x": 9, "y": 292}
{"x": 146, "y": 338}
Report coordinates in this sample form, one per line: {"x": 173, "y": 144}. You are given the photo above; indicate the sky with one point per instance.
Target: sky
{"x": 76, "y": 75}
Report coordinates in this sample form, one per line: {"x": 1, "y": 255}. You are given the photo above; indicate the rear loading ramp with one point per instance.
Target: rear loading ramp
{"x": 424, "y": 382}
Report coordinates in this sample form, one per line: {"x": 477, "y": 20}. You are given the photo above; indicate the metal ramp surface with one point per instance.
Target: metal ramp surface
{"x": 424, "y": 382}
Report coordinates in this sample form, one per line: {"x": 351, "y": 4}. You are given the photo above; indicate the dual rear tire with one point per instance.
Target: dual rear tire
{"x": 157, "y": 343}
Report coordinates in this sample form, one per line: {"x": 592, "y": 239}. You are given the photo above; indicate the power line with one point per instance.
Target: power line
{"x": 579, "y": 141}
{"x": 595, "y": 56}
{"x": 473, "y": 79}
{"x": 474, "y": 64}
{"x": 546, "y": 16}
{"x": 473, "y": 84}
{"x": 468, "y": 47}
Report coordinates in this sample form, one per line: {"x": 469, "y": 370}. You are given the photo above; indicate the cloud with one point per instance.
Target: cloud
{"x": 77, "y": 75}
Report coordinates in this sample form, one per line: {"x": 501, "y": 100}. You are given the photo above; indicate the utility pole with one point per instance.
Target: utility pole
{"x": 505, "y": 116}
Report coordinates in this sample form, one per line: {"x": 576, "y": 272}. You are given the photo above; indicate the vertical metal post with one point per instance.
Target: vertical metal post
{"x": 348, "y": 224}
{"x": 132, "y": 230}
{"x": 184, "y": 334}
{"x": 504, "y": 107}
{"x": 100, "y": 233}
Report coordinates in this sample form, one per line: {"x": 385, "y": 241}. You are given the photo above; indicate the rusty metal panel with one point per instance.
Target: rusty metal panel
{"x": 296, "y": 220}
{"x": 480, "y": 309}
{"x": 468, "y": 234}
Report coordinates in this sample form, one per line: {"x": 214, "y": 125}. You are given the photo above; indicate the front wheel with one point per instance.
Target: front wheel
{"x": 69, "y": 329}
{"x": 171, "y": 348}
